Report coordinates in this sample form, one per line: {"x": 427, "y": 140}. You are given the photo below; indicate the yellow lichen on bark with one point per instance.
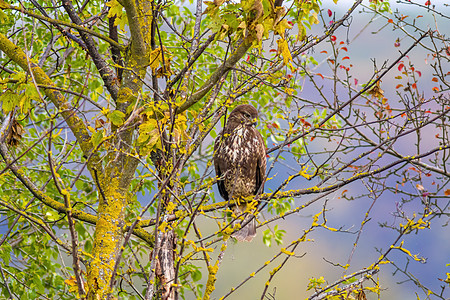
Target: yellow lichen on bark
{"x": 107, "y": 239}
{"x": 211, "y": 281}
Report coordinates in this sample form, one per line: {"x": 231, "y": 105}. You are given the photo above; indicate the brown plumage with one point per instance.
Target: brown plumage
{"x": 240, "y": 162}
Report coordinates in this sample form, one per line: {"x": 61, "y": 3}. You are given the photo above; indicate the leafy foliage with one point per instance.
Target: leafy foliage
{"x": 109, "y": 112}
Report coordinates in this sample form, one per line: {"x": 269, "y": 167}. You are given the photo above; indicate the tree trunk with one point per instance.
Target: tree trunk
{"x": 165, "y": 264}
{"x": 107, "y": 239}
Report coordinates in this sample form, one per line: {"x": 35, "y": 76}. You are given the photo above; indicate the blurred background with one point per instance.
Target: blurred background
{"x": 368, "y": 38}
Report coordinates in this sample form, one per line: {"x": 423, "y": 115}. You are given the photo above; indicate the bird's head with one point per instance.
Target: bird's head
{"x": 244, "y": 114}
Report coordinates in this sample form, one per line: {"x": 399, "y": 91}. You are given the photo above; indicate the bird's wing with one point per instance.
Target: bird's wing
{"x": 220, "y": 166}
{"x": 260, "y": 164}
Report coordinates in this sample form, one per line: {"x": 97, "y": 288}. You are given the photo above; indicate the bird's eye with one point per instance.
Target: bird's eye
{"x": 247, "y": 115}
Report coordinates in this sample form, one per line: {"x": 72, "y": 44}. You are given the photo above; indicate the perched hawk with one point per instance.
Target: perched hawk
{"x": 240, "y": 162}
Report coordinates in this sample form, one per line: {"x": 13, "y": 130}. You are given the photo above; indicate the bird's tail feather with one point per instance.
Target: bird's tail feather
{"x": 248, "y": 232}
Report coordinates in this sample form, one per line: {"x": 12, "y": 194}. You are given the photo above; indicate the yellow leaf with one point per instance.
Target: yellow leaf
{"x": 210, "y": 8}
{"x": 313, "y": 19}
{"x": 143, "y": 137}
{"x": 302, "y": 32}
{"x": 71, "y": 281}
{"x": 154, "y": 140}
{"x": 116, "y": 10}
{"x": 148, "y": 126}
{"x": 259, "y": 32}
{"x": 283, "y": 48}
{"x": 3, "y": 5}
{"x": 242, "y": 25}
{"x": 281, "y": 27}
{"x": 155, "y": 59}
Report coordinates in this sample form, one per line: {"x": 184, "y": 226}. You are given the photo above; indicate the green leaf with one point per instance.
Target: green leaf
{"x": 97, "y": 138}
{"x": 9, "y": 101}
{"x": 3, "y": 17}
{"x": 196, "y": 275}
{"x": 52, "y": 216}
{"x": 117, "y": 117}
{"x": 267, "y": 237}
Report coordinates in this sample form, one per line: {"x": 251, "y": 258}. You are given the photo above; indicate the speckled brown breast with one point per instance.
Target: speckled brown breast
{"x": 239, "y": 152}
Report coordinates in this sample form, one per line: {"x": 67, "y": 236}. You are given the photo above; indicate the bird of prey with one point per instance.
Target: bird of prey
{"x": 240, "y": 163}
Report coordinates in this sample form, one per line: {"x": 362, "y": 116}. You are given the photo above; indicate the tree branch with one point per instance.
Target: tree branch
{"x": 5, "y": 5}
{"x": 341, "y": 107}
{"x": 103, "y": 68}
{"x": 75, "y": 123}
{"x": 214, "y": 78}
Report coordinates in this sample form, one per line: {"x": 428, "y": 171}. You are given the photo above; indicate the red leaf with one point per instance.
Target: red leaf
{"x": 356, "y": 81}
{"x": 419, "y": 16}
{"x": 305, "y": 123}
{"x": 400, "y": 67}
{"x": 435, "y": 79}
{"x": 403, "y": 115}
{"x": 428, "y": 111}
{"x": 320, "y": 75}
{"x": 399, "y": 86}
{"x": 248, "y": 58}
{"x": 428, "y": 3}
{"x": 324, "y": 51}
{"x": 419, "y": 73}
{"x": 342, "y": 43}
{"x": 344, "y": 48}
{"x": 435, "y": 89}
{"x": 330, "y": 13}
{"x": 414, "y": 86}
{"x": 390, "y": 21}
{"x": 346, "y": 57}
{"x": 273, "y": 50}
{"x": 333, "y": 38}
